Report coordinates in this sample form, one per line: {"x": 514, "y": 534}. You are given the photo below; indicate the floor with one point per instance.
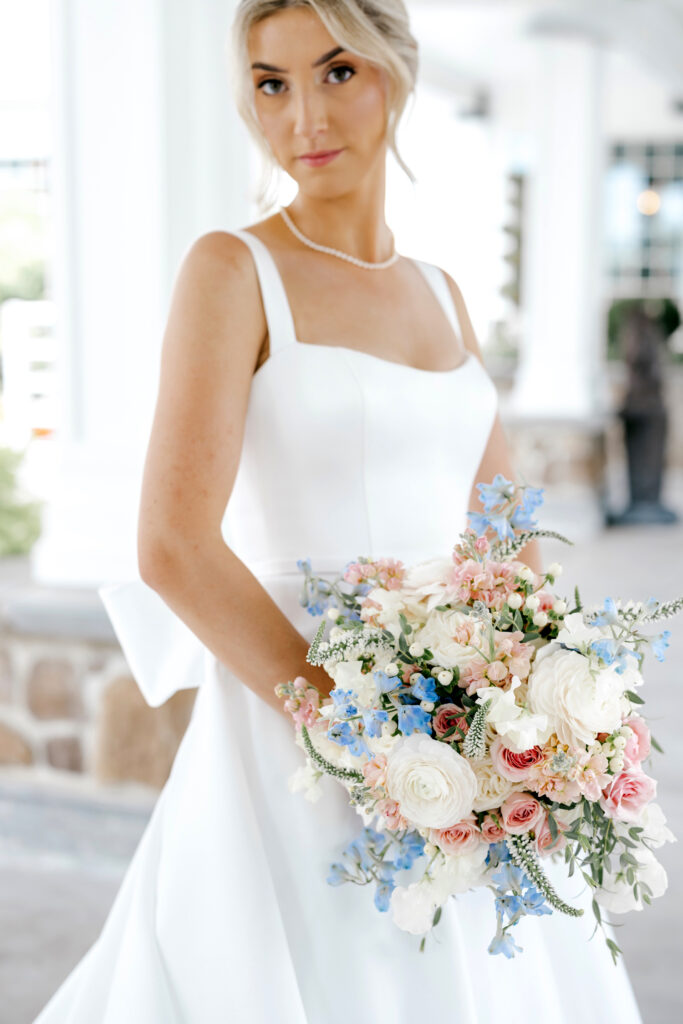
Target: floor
{"x": 63, "y": 850}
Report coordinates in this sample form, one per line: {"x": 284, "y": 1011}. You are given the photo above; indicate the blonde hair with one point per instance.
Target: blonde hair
{"x": 377, "y": 30}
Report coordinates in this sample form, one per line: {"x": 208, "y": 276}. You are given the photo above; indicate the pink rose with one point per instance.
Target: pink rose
{"x": 446, "y": 717}
{"x": 464, "y": 835}
{"x": 491, "y": 830}
{"x": 392, "y": 814}
{"x": 627, "y": 794}
{"x": 375, "y": 770}
{"x": 544, "y": 838}
{"x": 511, "y": 765}
{"x": 638, "y": 744}
{"x": 521, "y": 812}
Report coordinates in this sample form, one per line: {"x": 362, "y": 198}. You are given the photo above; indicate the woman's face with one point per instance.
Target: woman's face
{"x": 314, "y": 96}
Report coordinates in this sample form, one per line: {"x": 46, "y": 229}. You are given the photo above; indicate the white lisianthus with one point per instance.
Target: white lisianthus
{"x": 438, "y": 635}
{"x": 579, "y": 700}
{"x": 413, "y": 906}
{"x": 306, "y": 777}
{"x": 425, "y": 585}
{"x": 433, "y": 785}
{"x": 522, "y": 729}
{"x": 391, "y": 603}
{"x": 347, "y": 675}
{"x": 616, "y": 893}
{"x": 458, "y": 872}
{"x": 492, "y": 788}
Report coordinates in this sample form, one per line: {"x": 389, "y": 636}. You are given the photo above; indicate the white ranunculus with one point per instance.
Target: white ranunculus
{"x": 521, "y": 728}
{"x": 492, "y": 788}
{"x": 438, "y": 635}
{"x": 433, "y": 785}
{"x": 413, "y": 906}
{"x": 562, "y": 686}
{"x": 617, "y": 896}
{"x": 458, "y": 872}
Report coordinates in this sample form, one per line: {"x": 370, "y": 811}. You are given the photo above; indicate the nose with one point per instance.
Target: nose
{"x": 310, "y": 115}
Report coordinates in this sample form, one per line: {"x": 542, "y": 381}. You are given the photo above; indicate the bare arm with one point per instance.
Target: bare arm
{"x": 214, "y": 332}
{"x": 497, "y": 457}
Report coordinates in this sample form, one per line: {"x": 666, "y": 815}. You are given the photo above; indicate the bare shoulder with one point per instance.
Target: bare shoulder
{"x": 468, "y": 336}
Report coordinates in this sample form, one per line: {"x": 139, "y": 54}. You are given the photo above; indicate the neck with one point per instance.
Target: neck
{"x": 352, "y": 223}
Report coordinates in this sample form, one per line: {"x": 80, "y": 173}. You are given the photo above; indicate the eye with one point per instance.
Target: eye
{"x": 265, "y": 82}
{"x": 343, "y": 67}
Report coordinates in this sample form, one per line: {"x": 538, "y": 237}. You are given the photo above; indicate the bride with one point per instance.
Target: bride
{"x": 320, "y": 396}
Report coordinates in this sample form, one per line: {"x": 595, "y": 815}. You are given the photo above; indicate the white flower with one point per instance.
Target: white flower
{"x": 532, "y": 602}
{"x": 425, "y": 585}
{"x": 438, "y": 635}
{"x": 560, "y": 606}
{"x": 562, "y": 686}
{"x": 347, "y": 675}
{"x": 391, "y": 602}
{"x": 527, "y": 573}
{"x": 653, "y": 820}
{"x": 383, "y": 743}
{"x": 616, "y": 894}
{"x": 413, "y": 906}
{"x": 492, "y": 788}
{"x": 540, "y": 619}
{"x": 306, "y": 777}
{"x": 458, "y": 872}
{"x": 521, "y": 729}
{"x": 514, "y": 600}
{"x": 433, "y": 785}
{"x": 555, "y": 569}
{"x": 391, "y": 669}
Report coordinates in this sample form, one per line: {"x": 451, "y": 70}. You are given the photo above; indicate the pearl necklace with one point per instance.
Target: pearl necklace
{"x": 366, "y": 264}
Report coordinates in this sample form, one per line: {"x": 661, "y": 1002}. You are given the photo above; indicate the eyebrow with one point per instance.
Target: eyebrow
{"x": 321, "y": 60}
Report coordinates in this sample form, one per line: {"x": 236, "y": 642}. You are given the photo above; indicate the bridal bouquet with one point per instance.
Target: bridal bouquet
{"x": 481, "y": 726}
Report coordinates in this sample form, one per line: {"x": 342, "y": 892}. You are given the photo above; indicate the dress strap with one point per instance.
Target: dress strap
{"x": 437, "y": 280}
{"x": 273, "y": 295}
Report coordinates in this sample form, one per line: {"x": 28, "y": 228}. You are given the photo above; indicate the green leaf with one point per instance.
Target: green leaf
{"x": 437, "y": 916}
{"x": 422, "y": 944}
{"x": 656, "y": 745}
{"x": 633, "y": 697}
{"x": 596, "y": 911}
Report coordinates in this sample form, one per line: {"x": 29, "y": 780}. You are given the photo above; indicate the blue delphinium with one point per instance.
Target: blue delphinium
{"x": 372, "y": 720}
{"x": 478, "y": 523}
{"x": 423, "y": 687}
{"x": 495, "y": 493}
{"x": 515, "y": 897}
{"x": 413, "y": 718}
{"x": 344, "y": 706}
{"x": 660, "y": 643}
{"x": 344, "y": 734}
{"x": 376, "y": 856}
{"x": 385, "y": 683}
{"x": 608, "y": 616}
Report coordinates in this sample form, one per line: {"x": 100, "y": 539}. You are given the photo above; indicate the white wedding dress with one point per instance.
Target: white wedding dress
{"x": 224, "y": 914}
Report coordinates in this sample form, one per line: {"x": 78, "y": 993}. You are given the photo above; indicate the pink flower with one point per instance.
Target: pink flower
{"x": 512, "y": 765}
{"x": 390, "y": 810}
{"x": 638, "y": 744}
{"x": 491, "y": 830}
{"x": 544, "y": 839}
{"x": 375, "y": 770}
{"x": 521, "y": 812}
{"x": 627, "y": 794}
{"x": 446, "y": 717}
{"x": 464, "y": 835}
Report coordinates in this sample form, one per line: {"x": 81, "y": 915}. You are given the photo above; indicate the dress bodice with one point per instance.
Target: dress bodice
{"x": 346, "y": 453}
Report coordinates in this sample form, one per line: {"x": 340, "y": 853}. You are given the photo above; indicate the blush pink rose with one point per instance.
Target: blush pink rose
{"x": 511, "y": 765}
{"x": 521, "y": 812}
{"x": 638, "y": 744}
{"x": 491, "y": 830}
{"x": 375, "y": 770}
{"x": 464, "y": 835}
{"x": 627, "y": 794}
{"x": 544, "y": 839}
{"x": 392, "y": 813}
{"x": 446, "y": 717}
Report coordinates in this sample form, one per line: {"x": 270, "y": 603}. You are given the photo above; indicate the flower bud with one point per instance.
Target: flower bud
{"x": 391, "y": 669}
{"x": 332, "y": 612}
{"x": 555, "y": 569}
{"x": 619, "y": 743}
{"x": 540, "y": 619}
{"x": 429, "y": 849}
{"x": 514, "y": 599}
{"x": 616, "y": 763}
{"x": 527, "y": 573}
{"x": 560, "y": 606}
{"x": 532, "y": 602}
{"x": 445, "y": 676}
{"x": 427, "y": 705}
{"x": 416, "y": 649}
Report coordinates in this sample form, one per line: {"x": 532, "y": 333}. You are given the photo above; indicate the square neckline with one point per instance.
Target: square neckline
{"x": 421, "y": 267}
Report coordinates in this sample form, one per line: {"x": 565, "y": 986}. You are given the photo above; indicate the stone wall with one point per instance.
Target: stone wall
{"x": 71, "y": 705}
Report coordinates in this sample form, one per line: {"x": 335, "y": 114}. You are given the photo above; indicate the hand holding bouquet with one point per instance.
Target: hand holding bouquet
{"x": 480, "y": 725}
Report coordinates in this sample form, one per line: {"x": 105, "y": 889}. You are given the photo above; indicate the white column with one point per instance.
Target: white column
{"x": 561, "y": 358}
{"x": 149, "y": 153}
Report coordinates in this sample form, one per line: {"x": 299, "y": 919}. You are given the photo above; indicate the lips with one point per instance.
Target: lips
{"x": 321, "y": 157}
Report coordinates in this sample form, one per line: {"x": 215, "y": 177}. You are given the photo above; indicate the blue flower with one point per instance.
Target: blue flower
{"x": 534, "y": 901}
{"x": 372, "y": 721}
{"x": 343, "y": 700}
{"x": 504, "y": 944}
{"x": 412, "y": 718}
{"x": 660, "y": 644}
{"x": 424, "y": 687}
{"x": 338, "y": 874}
{"x": 478, "y": 523}
{"x": 607, "y": 617}
{"x": 385, "y": 683}
{"x": 523, "y": 519}
{"x": 501, "y": 524}
{"x": 304, "y": 564}
{"x": 495, "y": 493}
{"x": 383, "y": 895}
{"x": 410, "y": 848}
